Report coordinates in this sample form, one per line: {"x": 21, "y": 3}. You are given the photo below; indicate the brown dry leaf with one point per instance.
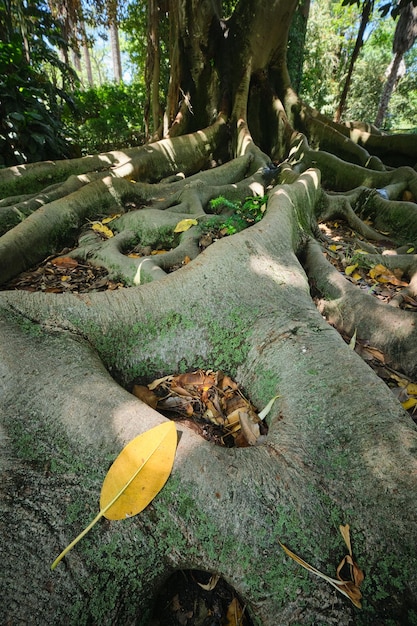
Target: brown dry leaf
{"x": 249, "y": 428}
{"x": 180, "y": 391}
{"x": 146, "y": 395}
{"x": 196, "y": 379}
{"x": 349, "y": 588}
{"x": 213, "y": 397}
{"x": 408, "y": 196}
{"x": 233, "y": 418}
{"x": 372, "y": 353}
{"x": 65, "y": 262}
{"x": 213, "y": 414}
{"x": 234, "y": 613}
{"x": 355, "y": 571}
{"x": 153, "y": 385}
{"x": 345, "y": 532}
{"x": 176, "y": 404}
{"x": 227, "y": 383}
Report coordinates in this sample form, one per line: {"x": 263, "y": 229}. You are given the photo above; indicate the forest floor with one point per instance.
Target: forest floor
{"x": 199, "y": 598}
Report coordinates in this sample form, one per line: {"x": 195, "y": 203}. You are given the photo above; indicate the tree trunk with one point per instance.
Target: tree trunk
{"x": 388, "y": 89}
{"x": 366, "y": 12}
{"x": 152, "y": 73}
{"x": 296, "y": 43}
{"x": 86, "y": 55}
{"x": 404, "y": 37}
{"x": 115, "y": 48}
{"x": 340, "y": 449}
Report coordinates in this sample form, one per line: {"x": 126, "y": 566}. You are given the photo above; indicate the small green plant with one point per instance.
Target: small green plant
{"x": 244, "y": 213}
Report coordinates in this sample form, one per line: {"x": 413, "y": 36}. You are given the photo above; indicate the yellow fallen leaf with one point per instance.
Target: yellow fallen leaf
{"x": 408, "y": 404}
{"x": 184, "y": 225}
{"x": 135, "y": 478}
{"x": 106, "y": 220}
{"x": 334, "y": 247}
{"x": 350, "y": 269}
{"x": 98, "y": 227}
{"x": 383, "y": 275}
{"x": 356, "y": 276}
{"x": 412, "y": 389}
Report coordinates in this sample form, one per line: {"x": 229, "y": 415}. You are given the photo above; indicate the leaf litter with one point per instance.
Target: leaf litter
{"x": 210, "y": 403}
{"x": 340, "y": 244}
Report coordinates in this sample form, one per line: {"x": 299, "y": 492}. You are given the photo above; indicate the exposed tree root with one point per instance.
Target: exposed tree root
{"x": 337, "y": 451}
{"x": 349, "y": 309}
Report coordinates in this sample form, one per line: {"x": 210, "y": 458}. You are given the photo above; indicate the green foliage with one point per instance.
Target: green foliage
{"x": 30, "y": 129}
{"x": 331, "y": 33}
{"x": 244, "y": 214}
{"x": 107, "y": 117}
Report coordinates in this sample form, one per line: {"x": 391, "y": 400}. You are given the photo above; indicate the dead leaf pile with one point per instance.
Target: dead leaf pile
{"x": 206, "y": 399}
{"x": 62, "y": 274}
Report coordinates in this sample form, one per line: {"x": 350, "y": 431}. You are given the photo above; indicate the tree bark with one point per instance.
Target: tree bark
{"x": 340, "y": 449}
{"x": 366, "y": 12}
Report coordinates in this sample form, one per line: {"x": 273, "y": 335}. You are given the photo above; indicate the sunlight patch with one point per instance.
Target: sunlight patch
{"x": 267, "y": 267}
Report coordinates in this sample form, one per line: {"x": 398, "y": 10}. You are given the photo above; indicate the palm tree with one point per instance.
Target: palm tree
{"x": 404, "y": 37}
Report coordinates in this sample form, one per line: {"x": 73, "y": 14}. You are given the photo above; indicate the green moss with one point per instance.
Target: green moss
{"x": 228, "y": 340}
{"x": 265, "y": 386}
{"x": 137, "y": 351}
{"x": 29, "y": 327}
